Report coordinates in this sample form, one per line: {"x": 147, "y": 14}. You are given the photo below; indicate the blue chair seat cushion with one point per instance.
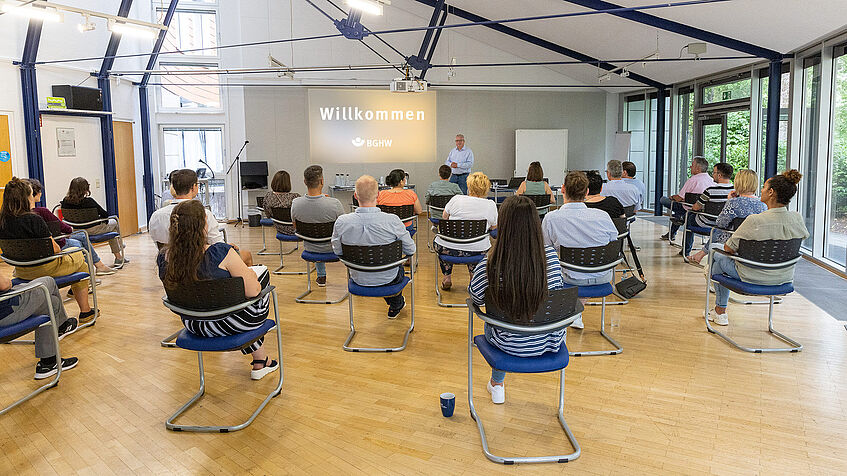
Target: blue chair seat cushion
{"x": 594, "y": 290}
{"x": 266, "y": 222}
{"x": 377, "y": 291}
{"x": 187, "y": 340}
{"x": 323, "y": 257}
{"x": 20, "y": 328}
{"x": 497, "y": 359}
{"x": 751, "y": 289}
{"x": 411, "y": 230}
{"x": 61, "y": 281}
{"x": 461, "y": 259}
{"x": 102, "y": 237}
{"x": 434, "y": 220}
{"x": 284, "y": 237}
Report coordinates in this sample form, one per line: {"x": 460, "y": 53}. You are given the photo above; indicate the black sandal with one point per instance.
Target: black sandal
{"x": 268, "y": 366}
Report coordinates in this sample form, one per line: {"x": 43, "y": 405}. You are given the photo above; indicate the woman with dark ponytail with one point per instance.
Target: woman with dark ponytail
{"x": 775, "y": 223}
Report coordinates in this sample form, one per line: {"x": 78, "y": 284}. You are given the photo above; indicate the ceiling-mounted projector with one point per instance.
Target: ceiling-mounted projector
{"x": 403, "y": 85}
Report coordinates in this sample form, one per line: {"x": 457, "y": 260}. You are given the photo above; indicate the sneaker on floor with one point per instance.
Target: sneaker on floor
{"x": 392, "y": 312}
{"x": 120, "y": 262}
{"x": 498, "y": 393}
{"x": 86, "y": 317}
{"x": 43, "y": 370}
{"x": 719, "y": 319}
{"x": 105, "y": 272}
{"x": 666, "y": 236}
{"x": 578, "y": 324}
{"x": 268, "y": 368}
{"x": 321, "y": 280}
{"x": 68, "y": 326}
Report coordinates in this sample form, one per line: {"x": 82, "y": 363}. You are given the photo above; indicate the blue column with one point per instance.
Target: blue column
{"x": 772, "y": 132}
{"x": 29, "y": 94}
{"x": 660, "y": 150}
{"x": 107, "y": 137}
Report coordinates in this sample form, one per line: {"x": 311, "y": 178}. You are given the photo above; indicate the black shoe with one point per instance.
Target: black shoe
{"x": 665, "y": 237}
{"x": 392, "y": 312}
{"x": 86, "y": 317}
{"x": 43, "y": 370}
{"x": 68, "y": 326}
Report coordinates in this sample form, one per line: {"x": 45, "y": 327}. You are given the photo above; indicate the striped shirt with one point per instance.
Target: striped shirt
{"x": 520, "y": 345}
{"x": 715, "y": 194}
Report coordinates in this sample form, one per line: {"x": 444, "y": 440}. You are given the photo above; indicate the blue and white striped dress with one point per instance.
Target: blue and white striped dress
{"x": 520, "y": 345}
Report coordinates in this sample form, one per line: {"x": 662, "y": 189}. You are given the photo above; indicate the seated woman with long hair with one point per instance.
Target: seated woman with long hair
{"x": 17, "y": 222}
{"x": 516, "y": 275}
{"x": 188, "y": 259}
{"x": 398, "y": 195}
{"x": 742, "y": 203}
{"x": 280, "y": 196}
{"x": 775, "y": 223}
{"x": 79, "y": 197}
{"x": 473, "y": 206}
{"x": 534, "y": 183}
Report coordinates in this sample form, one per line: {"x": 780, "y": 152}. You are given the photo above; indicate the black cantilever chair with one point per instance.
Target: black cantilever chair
{"x": 315, "y": 233}
{"x": 85, "y": 217}
{"x": 282, "y": 216}
{"x": 435, "y": 212}
{"x": 542, "y": 203}
{"x": 559, "y": 311}
{"x": 371, "y": 259}
{"x": 459, "y": 231}
{"x": 209, "y": 300}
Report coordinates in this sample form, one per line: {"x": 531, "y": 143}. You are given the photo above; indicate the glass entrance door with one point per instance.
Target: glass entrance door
{"x": 725, "y": 137}
{"x": 712, "y": 143}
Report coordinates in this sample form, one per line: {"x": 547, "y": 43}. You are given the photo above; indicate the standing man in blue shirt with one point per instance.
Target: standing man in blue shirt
{"x": 460, "y": 161}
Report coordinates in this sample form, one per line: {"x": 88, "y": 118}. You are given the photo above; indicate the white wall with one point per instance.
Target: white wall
{"x": 88, "y": 163}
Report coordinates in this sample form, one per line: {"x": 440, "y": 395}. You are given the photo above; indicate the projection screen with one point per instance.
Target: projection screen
{"x": 359, "y": 126}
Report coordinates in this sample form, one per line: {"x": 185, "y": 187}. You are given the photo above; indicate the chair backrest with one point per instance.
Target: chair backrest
{"x": 374, "y": 255}
{"x": 208, "y": 295}
{"x": 691, "y": 198}
{"x": 80, "y": 215}
{"x": 594, "y": 257}
{"x": 463, "y": 229}
{"x": 559, "y": 305}
{"x": 735, "y": 223}
{"x": 30, "y": 249}
{"x": 539, "y": 200}
{"x": 55, "y": 227}
{"x": 282, "y": 214}
{"x": 770, "y": 251}
{"x": 260, "y": 202}
{"x": 629, "y": 211}
{"x": 713, "y": 207}
{"x": 621, "y": 225}
{"x": 314, "y": 230}
{"x": 403, "y": 211}
{"x": 439, "y": 201}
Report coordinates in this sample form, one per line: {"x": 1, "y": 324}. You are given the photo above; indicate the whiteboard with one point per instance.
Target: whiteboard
{"x": 622, "y": 143}
{"x": 548, "y": 146}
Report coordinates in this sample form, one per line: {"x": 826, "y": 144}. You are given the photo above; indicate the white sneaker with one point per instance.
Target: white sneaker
{"x": 719, "y": 319}
{"x": 578, "y": 324}
{"x": 498, "y": 393}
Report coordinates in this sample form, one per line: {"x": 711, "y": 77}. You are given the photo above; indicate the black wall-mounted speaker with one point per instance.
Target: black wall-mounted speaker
{"x": 78, "y": 97}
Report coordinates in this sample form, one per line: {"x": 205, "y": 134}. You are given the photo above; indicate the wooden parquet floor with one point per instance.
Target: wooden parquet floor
{"x": 677, "y": 401}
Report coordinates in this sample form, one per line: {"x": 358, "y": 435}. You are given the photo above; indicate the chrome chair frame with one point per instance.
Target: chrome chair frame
{"x": 264, "y": 251}
{"x": 484, "y": 236}
{"x": 169, "y": 424}
{"x": 385, "y": 267}
{"x": 76, "y": 226}
{"x": 36, "y": 287}
{"x": 474, "y": 309}
{"x": 308, "y": 273}
{"x": 795, "y": 346}
{"x": 278, "y": 271}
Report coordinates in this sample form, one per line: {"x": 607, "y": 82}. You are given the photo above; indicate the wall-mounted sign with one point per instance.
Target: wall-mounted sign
{"x": 355, "y": 126}
{"x": 55, "y": 103}
{"x": 66, "y": 139}
{"x": 5, "y": 156}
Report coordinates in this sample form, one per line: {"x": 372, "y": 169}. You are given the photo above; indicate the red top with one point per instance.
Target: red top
{"x": 48, "y": 216}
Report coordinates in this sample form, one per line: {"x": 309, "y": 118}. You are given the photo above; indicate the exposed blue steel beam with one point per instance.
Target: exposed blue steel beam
{"x": 418, "y": 61}
{"x": 549, "y": 45}
{"x": 433, "y": 44}
{"x": 660, "y": 150}
{"x": 146, "y": 148}
{"x": 772, "y": 132}
{"x": 680, "y": 28}
{"x": 29, "y": 95}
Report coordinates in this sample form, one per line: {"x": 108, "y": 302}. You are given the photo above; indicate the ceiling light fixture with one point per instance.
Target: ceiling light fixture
{"x": 50, "y": 11}
{"x": 87, "y": 24}
{"x": 131, "y": 30}
{"x": 372, "y": 7}
{"x": 33, "y": 12}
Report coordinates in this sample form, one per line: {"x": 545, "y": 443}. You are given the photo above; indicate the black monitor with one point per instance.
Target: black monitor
{"x": 516, "y": 182}
{"x": 254, "y": 174}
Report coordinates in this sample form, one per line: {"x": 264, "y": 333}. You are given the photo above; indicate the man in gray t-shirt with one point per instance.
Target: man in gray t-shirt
{"x": 315, "y": 207}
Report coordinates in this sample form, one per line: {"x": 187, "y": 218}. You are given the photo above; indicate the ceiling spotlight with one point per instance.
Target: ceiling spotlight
{"x": 131, "y": 30}
{"x": 87, "y": 24}
{"x": 605, "y": 77}
{"x": 624, "y": 73}
{"x": 373, "y": 7}
{"x": 36, "y": 13}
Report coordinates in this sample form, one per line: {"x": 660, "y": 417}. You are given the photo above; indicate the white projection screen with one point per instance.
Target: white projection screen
{"x": 357, "y": 126}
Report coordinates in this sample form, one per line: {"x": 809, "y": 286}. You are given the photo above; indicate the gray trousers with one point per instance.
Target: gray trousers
{"x": 111, "y": 225}
{"x": 33, "y": 303}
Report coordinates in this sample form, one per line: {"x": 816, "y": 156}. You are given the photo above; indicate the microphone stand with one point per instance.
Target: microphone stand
{"x": 238, "y": 170}
{"x": 207, "y": 189}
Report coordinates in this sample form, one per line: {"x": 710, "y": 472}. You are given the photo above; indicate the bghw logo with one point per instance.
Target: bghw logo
{"x": 371, "y": 143}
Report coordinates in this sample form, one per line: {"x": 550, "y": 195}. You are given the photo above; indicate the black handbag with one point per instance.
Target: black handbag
{"x": 631, "y": 286}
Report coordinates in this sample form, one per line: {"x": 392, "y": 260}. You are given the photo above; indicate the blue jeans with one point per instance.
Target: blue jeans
{"x": 722, "y": 264}
{"x": 320, "y": 267}
{"x": 80, "y": 240}
{"x": 462, "y": 181}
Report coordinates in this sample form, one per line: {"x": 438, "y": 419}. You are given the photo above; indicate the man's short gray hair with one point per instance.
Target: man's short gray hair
{"x": 460, "y": 135}
{"x": 614, "y": 168}
{"x": 701, "y": 162}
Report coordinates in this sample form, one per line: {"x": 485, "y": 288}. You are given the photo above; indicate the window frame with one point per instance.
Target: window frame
{"x": 190, "y": 110}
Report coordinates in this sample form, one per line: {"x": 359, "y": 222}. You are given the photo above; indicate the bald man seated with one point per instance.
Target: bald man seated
{"x": 370, "y": 226}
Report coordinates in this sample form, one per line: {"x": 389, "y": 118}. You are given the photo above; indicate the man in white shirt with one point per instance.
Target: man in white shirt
{"x": 629, "y": 171}
{"x": 626, "y": 193}
{"x": 460, "y": 161}
{"x": 184, "y": 186}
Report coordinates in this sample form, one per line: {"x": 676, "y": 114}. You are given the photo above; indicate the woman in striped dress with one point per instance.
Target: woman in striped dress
{"x": 188, "y": 259}
{"x": 517, "y": 274}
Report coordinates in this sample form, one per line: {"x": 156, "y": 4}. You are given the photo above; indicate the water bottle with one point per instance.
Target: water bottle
{"x": 382, "y": 180}
{"x": 337, "y": 179}
{"x": 346, "y": 179}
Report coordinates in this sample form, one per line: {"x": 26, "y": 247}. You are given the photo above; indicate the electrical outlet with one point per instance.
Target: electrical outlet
{"x": 97, "y": 183}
